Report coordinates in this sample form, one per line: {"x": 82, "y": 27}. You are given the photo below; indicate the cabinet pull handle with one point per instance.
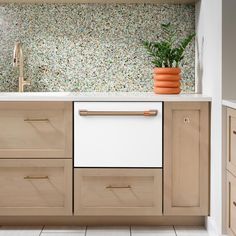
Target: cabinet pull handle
{"x": 36, "y": 120}
{"x": 234, "y": 204}
{"x": 234, "y": 132}
{"x": 118, "y": 113}
{"x": 36, "y": 177}
{"x": 111, "y": 187}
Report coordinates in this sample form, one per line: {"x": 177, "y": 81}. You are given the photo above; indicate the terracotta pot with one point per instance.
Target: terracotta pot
{"x": 167, "y": 80}
{"x": 170, "y": 71}
{"x": 166, "y": 77}
{"x": 160, "y": 90}
{"x": 168, "y": 84}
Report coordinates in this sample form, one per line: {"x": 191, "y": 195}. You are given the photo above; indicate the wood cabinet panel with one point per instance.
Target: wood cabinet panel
{"x": 186, "y": 158}
{"x": 118, "y": 192}
{"x": 231, "y": 204}
{"x": 231, "y": 140}
{"x": 185, "y": 134}
{"x": 36, "y": 129}
{"x": 35, "y": 187}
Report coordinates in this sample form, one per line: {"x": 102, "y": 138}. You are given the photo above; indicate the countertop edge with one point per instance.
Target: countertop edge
{"x": 102, "y": 97}
{"x": 102, "y": 100}
{"x": 229, "y": 103}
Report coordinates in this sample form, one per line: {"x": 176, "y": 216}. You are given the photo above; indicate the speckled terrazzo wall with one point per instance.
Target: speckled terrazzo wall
{"x": 88, "y": 47}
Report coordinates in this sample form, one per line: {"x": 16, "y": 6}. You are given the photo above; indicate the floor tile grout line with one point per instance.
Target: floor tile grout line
{"x": 41, "y": 230}
{"x": 175, "y": 230}
{"x": 130, "y": 230}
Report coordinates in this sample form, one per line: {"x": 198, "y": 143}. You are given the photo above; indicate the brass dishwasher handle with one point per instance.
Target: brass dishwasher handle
{"x": 36, "y": 177}
{"x": 118, "y": 113}
{"x": 112, "y": 187}
{"x": 36, "y": 120}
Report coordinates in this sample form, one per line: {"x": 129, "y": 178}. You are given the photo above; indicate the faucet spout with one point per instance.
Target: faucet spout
{"x": 15, "y": 54}
{"x": 18, "y": 61}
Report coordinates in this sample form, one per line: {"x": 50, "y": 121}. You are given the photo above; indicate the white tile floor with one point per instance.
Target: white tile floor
{"x": 102, "y": 231}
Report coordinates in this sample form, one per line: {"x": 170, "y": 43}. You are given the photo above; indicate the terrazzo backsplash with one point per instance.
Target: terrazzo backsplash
{"x": 88, "y": 47}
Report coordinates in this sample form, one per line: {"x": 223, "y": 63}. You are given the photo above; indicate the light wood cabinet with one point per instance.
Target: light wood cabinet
{"x": 231, "y": 140}
{"x": 36, "y": 130}
{"x": 231, "y": 204}
{"x": 35, "y": 187}
{"x": 186, "y": 158}
{"x": 118, "y": 192}
{"x": 36, "y": 167}
{"x": 231, "y": 173}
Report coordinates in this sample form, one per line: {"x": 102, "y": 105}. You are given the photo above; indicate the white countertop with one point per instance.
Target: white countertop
{"x": 229, "y": 103}
{"x": 71, "y": 96}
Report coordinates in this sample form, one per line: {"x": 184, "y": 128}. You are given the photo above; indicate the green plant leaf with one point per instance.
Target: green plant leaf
{"x": 164, "y": 53}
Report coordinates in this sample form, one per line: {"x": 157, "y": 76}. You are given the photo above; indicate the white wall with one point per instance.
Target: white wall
{"x": 209, "y": 29}
{"x": 203, "y": 85}
{"x": 229, "y": 49}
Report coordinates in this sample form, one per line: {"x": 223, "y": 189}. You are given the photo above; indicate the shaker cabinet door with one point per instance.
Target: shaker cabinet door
{"x": 186, "y": 158}
{"x": 231, "y": 140}
{"x": 231, "y": 204}
{"x": 35, "y": 187}
{"x": 36, "y": 130}
{"x": 117, "y": 192}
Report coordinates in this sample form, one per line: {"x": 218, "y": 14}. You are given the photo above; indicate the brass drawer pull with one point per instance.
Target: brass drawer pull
{"x": 36, "y": 177}
{"x": 118, "y": 113}
{"x": 111, "y": 187}
{"x": 234, "y": 132}
{"x": 36, "y": 120}
{"x": 234, "y": 203}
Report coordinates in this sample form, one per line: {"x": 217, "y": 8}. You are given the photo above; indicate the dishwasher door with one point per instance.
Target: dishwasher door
{"x": 118, "y": 134}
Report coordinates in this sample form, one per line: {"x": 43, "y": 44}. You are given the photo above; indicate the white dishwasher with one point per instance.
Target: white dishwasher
{"x": 117, "y": 134}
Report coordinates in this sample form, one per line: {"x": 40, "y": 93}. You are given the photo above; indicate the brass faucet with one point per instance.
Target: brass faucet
{"x": 18, "y": 61}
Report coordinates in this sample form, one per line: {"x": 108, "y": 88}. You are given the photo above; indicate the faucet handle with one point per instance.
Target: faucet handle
{"x": 23, "y": 83}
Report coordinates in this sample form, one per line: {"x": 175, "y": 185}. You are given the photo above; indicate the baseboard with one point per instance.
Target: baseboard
{"x": 211, "y": 227}
{"x": 102, "y": 220}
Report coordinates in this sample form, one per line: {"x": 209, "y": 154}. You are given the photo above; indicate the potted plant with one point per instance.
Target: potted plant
{"x": 167, "y": 55}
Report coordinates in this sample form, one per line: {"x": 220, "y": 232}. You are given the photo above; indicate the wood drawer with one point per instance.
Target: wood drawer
{"x": 35, "y": 187}
{"x": 36, "y": 129}
{"x": 118, "y": 192}
{"x": 231, "y": 204}
{"x": 231, "y": 140}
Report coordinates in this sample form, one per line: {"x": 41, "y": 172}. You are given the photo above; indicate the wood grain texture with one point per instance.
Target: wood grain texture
{"x": 50, "y": 196}
{"x": 117, "y": 192}
{"x": 102, "y": 220}
{"x": 231, "y": 140}
{"x": 231, "y": 207}
{"x": 186, "y": 158}
{"x": 36, "y": 130}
